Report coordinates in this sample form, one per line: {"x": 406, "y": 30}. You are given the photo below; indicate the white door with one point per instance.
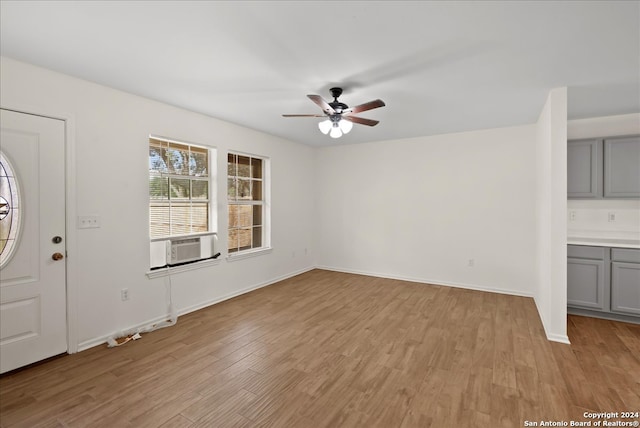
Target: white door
{"x": 33, "y": 316}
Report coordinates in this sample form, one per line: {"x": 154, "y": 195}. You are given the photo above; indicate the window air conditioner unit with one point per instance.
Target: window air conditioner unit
{"x": 183, "y": 250}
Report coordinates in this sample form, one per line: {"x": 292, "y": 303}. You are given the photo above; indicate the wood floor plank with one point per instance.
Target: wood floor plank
{"x": 161, "y": 412}
{"x": 477, "y": 396}
{"x": 178, "y": 421}
{"x": 414, "y": 419}
{"x": 328, "y": 349}
{"x": 223, "y": 411}
{"x": 504, "y": 406}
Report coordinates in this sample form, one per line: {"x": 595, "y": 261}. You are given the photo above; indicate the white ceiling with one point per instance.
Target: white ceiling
{"x": 440, "y": 67}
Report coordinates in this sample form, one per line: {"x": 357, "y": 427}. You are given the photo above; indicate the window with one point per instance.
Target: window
{"x": 179, "y": 195}
{"x": 10, "y": 211}
{"x": 246, "y": 195}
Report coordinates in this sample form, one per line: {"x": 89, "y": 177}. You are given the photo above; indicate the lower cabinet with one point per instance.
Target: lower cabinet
{"x": 585, "y": 283}
{"x": 602, "y": 279}
{"x": 625, "y": 281}
{"x": 587, "y": 272}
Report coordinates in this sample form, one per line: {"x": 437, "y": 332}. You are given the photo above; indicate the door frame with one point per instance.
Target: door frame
{"x": 71, "y": 281}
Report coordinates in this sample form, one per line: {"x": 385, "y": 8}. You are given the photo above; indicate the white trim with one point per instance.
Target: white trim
{"x": 265, "y": 202}
{"x": 558, "y": 338}
{"x": 158, "y": 273}
{"x": 210, "y": 178}
{"x": 552, "y": 337}
{"x": 183, "y": 142}
{"x": 245, "y": 290}
{"x": 100, "y": 340}
{"x": 232, "y": 257}
{"x": 429, "y": 281}
{"x": 71, "y": 213}
{"x": 103, "y": 339}
{"x": 188, "y": 235}
{"x": 72, "y": 271}
{"x": 246, "y": 154}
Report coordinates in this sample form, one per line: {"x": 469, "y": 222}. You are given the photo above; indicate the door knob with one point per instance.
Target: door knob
{"x": 57, "y": 256}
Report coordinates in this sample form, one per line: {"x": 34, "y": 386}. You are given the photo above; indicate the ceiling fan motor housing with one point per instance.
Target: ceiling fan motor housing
{"x": 335, "y": 104}
{"x": 336, "y": 92}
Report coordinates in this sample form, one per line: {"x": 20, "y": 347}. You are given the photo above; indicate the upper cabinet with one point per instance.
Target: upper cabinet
{"x": 604, "y": 168}
{"x": 584, "y": 169}
{"x": 622, "y": 167}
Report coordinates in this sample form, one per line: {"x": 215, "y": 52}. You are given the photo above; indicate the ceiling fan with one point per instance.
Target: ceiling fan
{"x": 340, "y": 117}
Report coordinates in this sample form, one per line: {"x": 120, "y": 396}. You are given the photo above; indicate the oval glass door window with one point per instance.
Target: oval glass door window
{"x": 10, "y": 212}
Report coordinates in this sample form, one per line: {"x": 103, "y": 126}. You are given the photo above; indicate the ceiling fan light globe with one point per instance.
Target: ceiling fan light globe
{"x": 335, "y": 132}
{"x": 345, "y": 126}
{"x": 325, "y": 126}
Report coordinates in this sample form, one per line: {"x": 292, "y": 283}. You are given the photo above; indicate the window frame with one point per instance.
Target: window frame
{"x": 264, "y": 202}
{"x": 210, "y": 201}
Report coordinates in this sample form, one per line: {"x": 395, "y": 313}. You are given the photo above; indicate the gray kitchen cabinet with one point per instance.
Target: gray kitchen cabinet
{"x": 604, "y": 282}
{"x": 622, "y": 167}
{"x": 604, "y": 168}
{"x": 584, "y": 169}
{"x": 586, "y": 278}
{"x": 625, "y": 281}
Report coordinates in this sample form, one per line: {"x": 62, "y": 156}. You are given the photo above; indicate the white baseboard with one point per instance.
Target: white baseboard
{"x": 429, "y": 281}
{"x": 552, "y": 337}
{"x": 83, "y": 346}
{"x": 561, "y": 338}
{"x": 103, "y": 339}
{"x": 242, "y": 291}
{"x": 558, "y": 338}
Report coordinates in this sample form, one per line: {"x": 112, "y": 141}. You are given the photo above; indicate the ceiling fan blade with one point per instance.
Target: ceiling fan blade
{"x": 322, "y": 103}
{"x": 366, "y": 106}
{"x": 361, "y": 120}
{"x": 304, "y": 115}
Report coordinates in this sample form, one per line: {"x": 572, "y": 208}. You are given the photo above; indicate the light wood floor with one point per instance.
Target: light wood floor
{"x": 339, "y": 350}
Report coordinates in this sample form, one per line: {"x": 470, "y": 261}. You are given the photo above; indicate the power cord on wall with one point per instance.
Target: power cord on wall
{"x": 135, "y": 334}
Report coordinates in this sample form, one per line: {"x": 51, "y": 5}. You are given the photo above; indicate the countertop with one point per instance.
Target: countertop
{"x": 604, "y": 242}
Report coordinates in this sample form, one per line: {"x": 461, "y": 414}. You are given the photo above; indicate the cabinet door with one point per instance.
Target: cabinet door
{"x": 622, "y": 167}
{"x": 625, "y": 288}
{"x": 585, "y": 283}
{"x": 584, "y": 169}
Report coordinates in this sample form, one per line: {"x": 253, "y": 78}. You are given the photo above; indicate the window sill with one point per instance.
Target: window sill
{"x": 158, "y": 273}
{"x": 232, "y": 257}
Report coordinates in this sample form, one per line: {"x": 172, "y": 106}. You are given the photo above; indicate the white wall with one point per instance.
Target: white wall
{"x": 421, "y": 208}
{"x": 624, "y": 124}
{"x": 591, "y": 216}
{"x": 591, "y": 219}
{"x": 110, "y": 129}
{"x": 551, "y": 209}
{"x": 417, "y": 209}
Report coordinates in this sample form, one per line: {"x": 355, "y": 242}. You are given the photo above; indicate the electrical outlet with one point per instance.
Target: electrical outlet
{"x": 471, "y": 263}
{"x": 88, "y": 222}
{"x": 611, "y": 217}
{"x": 572, "y": 216}
{"x": 124, "y": 294}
